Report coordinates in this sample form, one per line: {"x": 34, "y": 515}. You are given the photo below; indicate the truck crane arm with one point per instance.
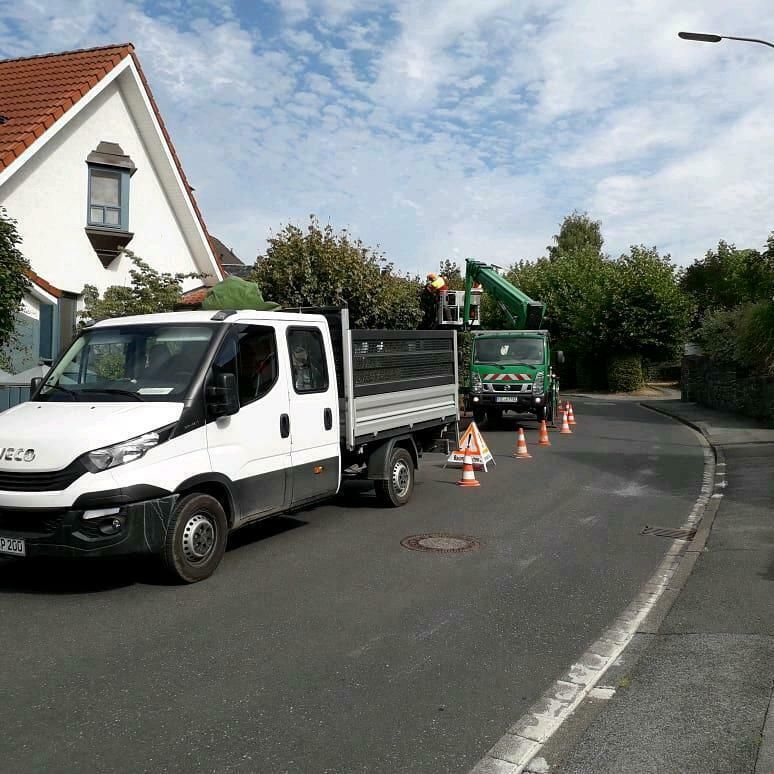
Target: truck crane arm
{"x": 523, "y": 312}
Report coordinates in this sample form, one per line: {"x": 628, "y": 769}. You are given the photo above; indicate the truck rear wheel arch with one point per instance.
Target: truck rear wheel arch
{"x": 379, "y": 458}
{"x": 214, "y": 485}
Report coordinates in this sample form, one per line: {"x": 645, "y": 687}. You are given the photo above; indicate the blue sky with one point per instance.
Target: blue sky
{"x": 448, "y": 128}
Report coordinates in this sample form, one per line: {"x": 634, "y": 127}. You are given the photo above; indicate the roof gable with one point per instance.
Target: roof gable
{"x": 37, "y": 91}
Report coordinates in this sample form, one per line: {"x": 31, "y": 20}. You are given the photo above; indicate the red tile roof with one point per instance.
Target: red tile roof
{"x": 193, "y": 297}
{"x": 38, "y": 90}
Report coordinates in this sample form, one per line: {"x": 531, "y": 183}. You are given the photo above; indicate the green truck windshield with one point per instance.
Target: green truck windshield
{"x": 508, "y": 351}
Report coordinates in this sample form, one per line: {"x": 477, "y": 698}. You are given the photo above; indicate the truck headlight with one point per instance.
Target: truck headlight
{"x": 126, "y": 451}
{"x": 475, "y": 382}
{"x": 538, "y": 386}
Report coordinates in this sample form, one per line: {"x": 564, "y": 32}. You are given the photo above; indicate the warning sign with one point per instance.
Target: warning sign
{"x": 473, "y": 443}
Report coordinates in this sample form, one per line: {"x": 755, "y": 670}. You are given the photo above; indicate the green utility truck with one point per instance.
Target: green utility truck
{"x": 510, "y": 370}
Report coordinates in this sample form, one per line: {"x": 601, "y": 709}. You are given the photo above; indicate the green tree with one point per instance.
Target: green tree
{"x": 320, "y": 267}
{"x": 647, "y": 313}
{"x": 578, "y": 236}
{"x": 727, "y": 277}
{"x": 150, "y": 292}
{"x": 13, "y": 279}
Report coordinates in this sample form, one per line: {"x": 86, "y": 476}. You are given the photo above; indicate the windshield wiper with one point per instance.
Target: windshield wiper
{"x": 486, "y": 362}
{"x": 113, "y": 391}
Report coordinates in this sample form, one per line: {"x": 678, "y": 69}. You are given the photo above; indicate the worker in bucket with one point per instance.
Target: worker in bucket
{"x": 436, "y": 284}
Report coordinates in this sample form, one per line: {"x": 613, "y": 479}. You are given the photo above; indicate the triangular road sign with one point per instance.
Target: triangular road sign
{"x": 473, "y": 443}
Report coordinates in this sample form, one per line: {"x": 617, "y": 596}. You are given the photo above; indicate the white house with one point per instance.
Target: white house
{"x": 87, "y": 167}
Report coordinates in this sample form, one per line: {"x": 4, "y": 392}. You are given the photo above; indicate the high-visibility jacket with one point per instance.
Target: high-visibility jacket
{"x": 438, "y": 284}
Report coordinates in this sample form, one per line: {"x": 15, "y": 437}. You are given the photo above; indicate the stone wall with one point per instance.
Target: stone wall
{"x": 725, "y": 388}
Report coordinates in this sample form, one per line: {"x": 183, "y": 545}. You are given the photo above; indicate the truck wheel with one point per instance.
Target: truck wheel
{"x": 196, "y": 540}
{"x": 397, "y": 489}
{"x": 479, "y": 415}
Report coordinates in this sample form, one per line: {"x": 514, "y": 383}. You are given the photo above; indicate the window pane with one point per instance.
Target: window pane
{"x": 97, "y": 215}
{"x": 112, "y": 217}
{"x": 257, "y": 364}
{"x": 105, "y": 188}
{"x": 307, "y": 356}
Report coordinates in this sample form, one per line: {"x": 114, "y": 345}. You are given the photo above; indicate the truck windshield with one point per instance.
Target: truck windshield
{"x": 129, "y": 363}
{"x": 508, "y": 351}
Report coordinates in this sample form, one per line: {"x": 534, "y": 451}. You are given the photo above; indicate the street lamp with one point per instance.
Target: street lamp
{"x": 704, "y": 38}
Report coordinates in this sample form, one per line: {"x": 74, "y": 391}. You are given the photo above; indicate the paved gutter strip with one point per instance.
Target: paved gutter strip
{"x": 517, "y": 752}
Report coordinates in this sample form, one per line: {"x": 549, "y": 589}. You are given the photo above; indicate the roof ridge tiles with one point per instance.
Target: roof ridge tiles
{"x": 52, "y": 54}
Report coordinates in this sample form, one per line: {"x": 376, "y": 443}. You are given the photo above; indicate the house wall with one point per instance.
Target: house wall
{"x": 48, "y": 198}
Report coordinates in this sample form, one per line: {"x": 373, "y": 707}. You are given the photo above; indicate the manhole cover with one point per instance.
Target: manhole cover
{"x": 440, "y": 544}
{"x": 677, "y": 534}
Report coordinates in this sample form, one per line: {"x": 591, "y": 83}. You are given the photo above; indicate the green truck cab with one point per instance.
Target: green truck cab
{"x": 512, "y": 371}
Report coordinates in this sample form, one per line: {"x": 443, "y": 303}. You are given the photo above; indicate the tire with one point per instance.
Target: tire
{"x": 479, "y": 415}
{"x": 196, "y": 540}
{"x": 397, "y": 489}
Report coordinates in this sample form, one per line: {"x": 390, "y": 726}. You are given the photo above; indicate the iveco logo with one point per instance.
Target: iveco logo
{"x": 17, "y": 455}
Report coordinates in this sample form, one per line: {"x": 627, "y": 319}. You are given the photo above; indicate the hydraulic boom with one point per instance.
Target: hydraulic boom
{"x": 523, "y": 312}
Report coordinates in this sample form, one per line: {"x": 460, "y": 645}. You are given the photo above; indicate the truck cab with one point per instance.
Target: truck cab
{"x": 512, "y": 371}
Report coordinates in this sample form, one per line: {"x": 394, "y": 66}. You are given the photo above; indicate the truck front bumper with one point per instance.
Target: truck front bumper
{"x": 488, "y": 400}
{"x": 135, "y": 528}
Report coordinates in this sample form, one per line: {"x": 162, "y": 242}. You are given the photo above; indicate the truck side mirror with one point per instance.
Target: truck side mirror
{"x": 222, "y": 397}
{"x": 560, "y": 357}
{"x": 35, "y": 382}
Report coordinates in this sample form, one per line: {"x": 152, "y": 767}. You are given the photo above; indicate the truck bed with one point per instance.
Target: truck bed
{"x": 392, "y": 381}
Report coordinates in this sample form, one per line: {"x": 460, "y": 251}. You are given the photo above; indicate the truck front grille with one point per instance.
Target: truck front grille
{"x": 48, "y": 481}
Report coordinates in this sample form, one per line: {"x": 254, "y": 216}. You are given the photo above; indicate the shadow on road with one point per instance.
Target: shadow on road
{"x": 263, "y": 530}
{"x": 63, "y": 577}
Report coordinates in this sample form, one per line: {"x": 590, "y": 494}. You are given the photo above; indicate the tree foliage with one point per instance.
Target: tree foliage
{"x": 150, "y": 292}
{"x": 600, "y": 309}
{"x": 755, "y": 337}
{"x": 13, "y": 277}
{"x": 728, "y": 277}
{"x": 646, "y": 312}
{"x": 717, "y": 335}
{"x": 578, "y": 236}
{"x": 317, "y": 266}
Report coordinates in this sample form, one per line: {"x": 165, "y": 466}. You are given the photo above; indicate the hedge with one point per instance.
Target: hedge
{"x": 624, "y": 373}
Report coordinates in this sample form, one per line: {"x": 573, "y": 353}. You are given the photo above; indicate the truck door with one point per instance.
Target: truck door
{"x": 314, "y": 412}
{"x": 252, "y": 447}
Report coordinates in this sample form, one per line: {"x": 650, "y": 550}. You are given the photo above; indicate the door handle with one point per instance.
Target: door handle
{"x": 284, "y": 425}
{"x": 328, "y": 418}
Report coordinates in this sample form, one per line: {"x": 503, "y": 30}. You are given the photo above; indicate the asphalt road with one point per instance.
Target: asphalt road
{"x": 323, "y": 645}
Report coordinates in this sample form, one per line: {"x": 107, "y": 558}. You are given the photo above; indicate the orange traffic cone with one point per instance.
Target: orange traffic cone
{"x": 544, "y": 440}
{"x": 565, "y": 426}
{"x": 571, "y": 419}
{"x": 468, "y": 472}
{"x": 521, "y": 447}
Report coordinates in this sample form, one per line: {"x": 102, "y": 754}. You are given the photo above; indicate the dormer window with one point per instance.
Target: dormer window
{"x": 105, "y": 200}
{"x": 107, "y": 218}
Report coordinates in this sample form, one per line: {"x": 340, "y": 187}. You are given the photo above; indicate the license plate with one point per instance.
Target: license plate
{"x": 507, "y": 399}
{"x": 12, "y": 546}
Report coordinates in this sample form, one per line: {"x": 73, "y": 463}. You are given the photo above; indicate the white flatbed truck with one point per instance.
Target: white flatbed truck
{"x": 160, "y": 434}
